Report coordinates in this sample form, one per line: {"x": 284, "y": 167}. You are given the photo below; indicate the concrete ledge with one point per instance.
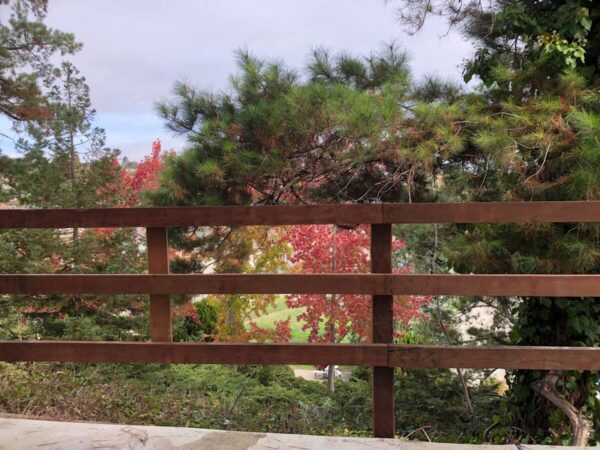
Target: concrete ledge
{"x": 16, "y": 434}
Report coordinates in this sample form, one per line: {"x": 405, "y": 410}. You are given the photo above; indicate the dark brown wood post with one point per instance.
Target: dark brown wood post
{"x": 160, "y": 304}
{"x": 383, "y": 332}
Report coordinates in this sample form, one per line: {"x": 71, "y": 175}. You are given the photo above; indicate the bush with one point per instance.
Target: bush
{"x": 254, "y": 398}
{"x": 249, "y": 398}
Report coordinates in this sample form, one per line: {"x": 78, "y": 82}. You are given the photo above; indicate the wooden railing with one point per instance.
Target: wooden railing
{"x": 382, "y": 354}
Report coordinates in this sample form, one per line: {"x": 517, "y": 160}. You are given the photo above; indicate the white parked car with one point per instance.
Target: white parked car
{"x": 323, "y": 374}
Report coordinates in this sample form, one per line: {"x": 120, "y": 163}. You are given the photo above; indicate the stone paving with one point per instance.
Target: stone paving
{"x": 17, "y": 434}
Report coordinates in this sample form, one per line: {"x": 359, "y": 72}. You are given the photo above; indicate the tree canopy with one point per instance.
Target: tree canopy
{"x": 276, "y": 138}
{"x": 523, "y": 47}
{"x": 26, "y": 49}
{"x": 343, "y": 129}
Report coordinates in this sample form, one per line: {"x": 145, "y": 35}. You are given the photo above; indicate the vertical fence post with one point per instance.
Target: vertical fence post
{"x": 382, "y": 320}
{"x": 160, "y": 304}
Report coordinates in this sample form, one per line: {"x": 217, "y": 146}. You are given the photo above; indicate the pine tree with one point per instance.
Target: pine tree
{"x": 69, "y": 138}
{"x": 531, "y": 135}
{"x": 359, "y": 130}
{"x": 277, "y": 139}
{"x": 64, "y": 164}
{"x": 556, "y": 158}
{"x": 523, "y": 47}
{"x": 541, "y": 149}
{"x": 27, "y": 46}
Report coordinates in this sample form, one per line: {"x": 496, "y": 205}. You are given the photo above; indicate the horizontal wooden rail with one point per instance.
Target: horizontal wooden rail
{"x": 381, "y": 284}
{"x": 504, "y": 357}
{"x": 492, "y": 212}
{"x": 193, "y": 353}
{"x": 193, "y": 284}
{"x": 382, "y": 355}
{"x": 483, "y": 212}
{"x": 367, "y": 284}
{"x": 187, "y": 216}
{"x": 496, "y": 285}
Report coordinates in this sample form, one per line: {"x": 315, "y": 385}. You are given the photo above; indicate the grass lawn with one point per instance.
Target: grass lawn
{"x": 279, "y": 311}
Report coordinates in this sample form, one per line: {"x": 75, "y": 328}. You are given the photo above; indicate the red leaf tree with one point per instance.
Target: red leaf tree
{"x": 331, "y": 249}
{"x": 143, "y": 178}
{"x": 131, "y": 180}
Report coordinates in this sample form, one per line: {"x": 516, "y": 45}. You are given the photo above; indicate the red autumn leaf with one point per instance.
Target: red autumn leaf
{"x": 330, "y": 249}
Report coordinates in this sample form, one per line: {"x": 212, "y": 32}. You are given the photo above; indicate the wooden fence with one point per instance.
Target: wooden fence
{"x": 381, "y": 284}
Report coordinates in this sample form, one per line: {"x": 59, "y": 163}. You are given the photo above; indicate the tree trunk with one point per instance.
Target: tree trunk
{"x": 581, "y": 426}
{"x": 72, "y": 152}
{"x": 331, "y": 371}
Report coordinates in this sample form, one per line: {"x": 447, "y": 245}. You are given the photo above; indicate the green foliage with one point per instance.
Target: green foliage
{"x": 523, "y": 47}
{"x": 116, "y": 317}
{"x": 198, "y": 325}
{"x": 536, "y": 41}
{"x": 27, "y": 47}
{"x": 250, "y": 398}
{"x": 430, "y": 404}
{"x": 543, "y": 148}
{"x": 255, "y": 398}
{"x": 64, "y": 164}
{"x": 540, "y": 150}
{"x": 277, "y": 139}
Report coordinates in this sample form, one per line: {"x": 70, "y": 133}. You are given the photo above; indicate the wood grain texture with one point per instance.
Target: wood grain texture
{"x": 188, "y": 216}
{"x": 492, "y": 212}
{"x": 483, "y": 212}
{"x": 381, "y": 355}
{"x": 192, "y": 353}
{"x": 367, "y": 284}
{"x": 452, "y": 357}
{"x": 194, "y": 284}
{"x": 160, "y": 304}
{"x": 382, "y": 314}
{"x": 382, "y": 320}
{"x": 497, "y": 285}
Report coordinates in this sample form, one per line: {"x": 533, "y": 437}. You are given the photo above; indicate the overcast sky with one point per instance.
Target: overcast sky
{"x": 135, "y": 49}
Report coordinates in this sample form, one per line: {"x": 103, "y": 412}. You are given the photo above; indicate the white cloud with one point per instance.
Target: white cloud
{"x": 135, "y": 50}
